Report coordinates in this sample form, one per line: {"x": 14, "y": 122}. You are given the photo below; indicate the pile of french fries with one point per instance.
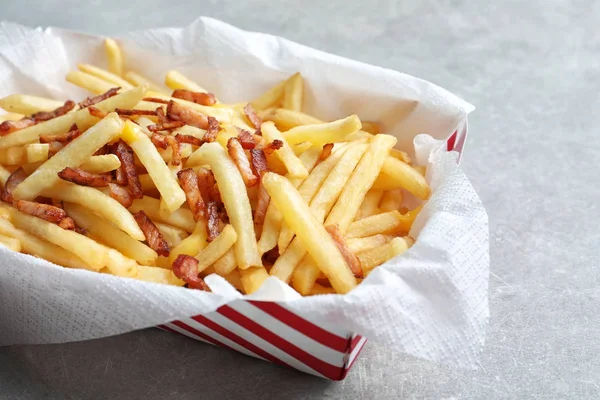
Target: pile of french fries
{"x": 169, "y": 185}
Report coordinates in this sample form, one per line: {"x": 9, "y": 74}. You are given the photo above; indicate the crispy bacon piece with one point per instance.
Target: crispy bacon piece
{"x": 193, "y": 140}
{"x": 96, "y": 112}
{"x": 351, "y": 258}
{"x": 125, "y": 154}
{"x": 106, "y": 149}
{"x": 43, "y": 211}
{"x": 271, "y": 147}
{"x": 120, "y": 194}
{"x": 236, "y": 152}
{"x": 156, "y": 100}
{"x": 327, "y": 148}
{"x": 253, "y": 117}
{"x": 62, "y": 110}
{"x": 259, "y": 165}
{"x": 212, "y": 221}
{"x": 73, "y": 133}
{"x": 166, "y": 126}
{"x": 259, "y": 162}
{"x": 132, "y": 113}
{"x": 207, "y": 185}
{"x": 161, "y": 116}
{"x": 159, "y": 141}
{"x": 84, "y": 178}
{"x": 246, "y": 139}
{"x": 90, "y": 101}
{"x": 189, "y": 184}
{"x": 11, "y": 183}
{"x": 68, "y": 223}
{"x": 205, "y": 99}
{"x": 186, "y": 268}
{"x": 177, "y": 112}
{"x": 7, "y": 127}
{"x": 120, "y": 176}
{"x": 164, "y": 141}
{"x": 212, "y": 130}
{"x": 154, "y": 238}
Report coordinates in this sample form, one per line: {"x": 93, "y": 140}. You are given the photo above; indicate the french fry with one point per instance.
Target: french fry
{"x": 397, "y": 174}
{"x": 371, "y": 127}
{"x": 217, "y": 248}
{"x": 270, "y": 98}
{"x": 235, "y": 199}
{"x": 12, "y": 156}
{"x": 287, "y": 119}
{"x": 421, "y": 169}
{"x": 192, "y": 244}
{"x": 292, "y": 163}
{"x": 235, "y": 279}
{"x": 252, "y": 278}
{"x": 373, "y": 258}
{"x": 89, "y": 82}
{"x": 162, "y": 177}
{"x": 223, "y": 115}
{"x": 113, "y": 79}
{"x": 4, "y": 175}
{"x": 293, "y": 93}
{"x": 226, "y": 264}
{"x": 310, "y": 232}
{"x": 182, "y": 218}
{"x": 176, "y": 80}
{"x": 10, "y": 243}
{"x": 101, "y": 164}
{"x": 27, "y": 104}
{"x": 37, "y": 152}
{"x": 370, "y": 204}
{"x": 114, "y": 56}
{"x": 391, "y": 200}
{"x": 173, "y": 235}
{"x": 40, "y": 248}
{"x": 97, "y": 202}
{"x": 110, "y": 235}
{"x": 157, "y": 275}
{"x": 401, "y": 155}
{"x": 387, "y": 222}
{"x": 137, "y": 80}
{"x": 357, "y": 245}
{"x": 82, "y": 118}
{"x": 74, "y": 154}
{"x": 320, "y": 289}
{"x": 320, "y": 134}
{"x": 10, "y": 116}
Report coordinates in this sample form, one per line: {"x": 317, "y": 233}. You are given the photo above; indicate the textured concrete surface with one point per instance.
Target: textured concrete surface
{"x": 533, "y": 70}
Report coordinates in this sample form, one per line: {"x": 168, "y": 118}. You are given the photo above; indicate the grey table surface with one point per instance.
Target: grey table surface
{"x": 533, "y": 70}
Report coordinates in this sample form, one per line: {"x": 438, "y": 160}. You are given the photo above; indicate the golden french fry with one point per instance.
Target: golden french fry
{"x": 10, "y": 116}
{"x": 176, "y": 80}
{"x": 192, "y": 131}
{"x": 421, "y": 169}
{"x": 167, "y": 155}
{"x": 293, "y": 93}
{"x": 371, "y": 127}
{"x": 4, "y": 175}
{"x": 89, "y": 82}
{"x": 157, "y": 275}
{"x": 40, "y": 248}
{"x": 235, "y": 198}
{"x": 357, "y": 245}
{"x": 109, "y": 77}
{"x": 82, "y": 117}
{"x": 217, "y": 248}
{"x": 235, "y": 279}
{"x": 137, "y": 80}
{"x": 252, "y": 278}
{"x": 101, "y": 164}
{"x": 37, "y": 152}
{"x": 387, "y": 222}
{"x": 110, "y": 235}
{"x": 320, "y": 289}
{"x": 191, "y": 245}
{"x": 226, "y": 264}
{"x": 310, "y": 232}
{"x": 12, "y": 155}
{"x": 72, "y": 155}
{"x": 400, "y": 155}
{"x": 392, "y": 200}
{"x": 182, "y": 218}
{"x": 10, "y": 243}
{"x": 370, "y": 204}
{"x": 373, "y": 258}
{"x": 114, "y": 56}
{"x": 397, "y": 174}
{"x": 162, "y": 177}
{"x": 27, "y": 104}
{"x": 173, "y": 235}
{"x": 287, "y": 119}
{"x": 320, "y": 134}
{"x": 270, "y": 98}
{"x": 285, "y": 153}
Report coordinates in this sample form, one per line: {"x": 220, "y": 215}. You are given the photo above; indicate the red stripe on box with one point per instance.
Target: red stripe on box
{"x": 200, "y": 334}
{"x": 308, "y": 359}
{"x": 303, "y": 326}
{"x": 354, "y": 342}
{"x": 451, "y": 141}
{"x": 237, "y": 339}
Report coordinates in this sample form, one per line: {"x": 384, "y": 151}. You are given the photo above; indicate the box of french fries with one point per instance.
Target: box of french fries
{"x": 236, "y": 188}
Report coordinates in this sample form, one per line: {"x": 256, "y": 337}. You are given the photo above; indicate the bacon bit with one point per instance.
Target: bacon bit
{"x": 205, "y": 99}
{"x": 177, "y": 112}
{"x": 132, "y": 113}
{"x": 254, "y": 119}
{"x": 351, "y": 258}
{"x": 164, "y": 141}
{"x": 259, "y": 162}
{"x": 246, "y": 139}
{"x": 212, "y": 130}
{"x": 208, "y": 186}
{"x": 120, "y": 194}
{"x": 120, "y": 176}
{"x": 212, "y": 223}
{"x": 189, "y": 184}
{"x": 44, "y": 200}
{"x": 193, "y": 140}
{"x": 7, "y": 127}
{"x": 140, "y": 169}
{"x": 67, "y": 223}
{"x": 160, "y": 113}
{"x": 96, "y": 112}
{"x": 186, "y": 268}
{"x": 43, "y": 211}
{"x": 327, "y": 148}
{"x": 259, "y": 165}
{"x": 62, "y": 110}
{"x": 156, "y": 100}
{"x": 271, "y": 147}
{"x": 90, "y": 101}
{"x": 84, "y": 178}
{"x": 159, "y": 141}
{"x": 125, "y": 154}
{"x": 73, "y": 133}
{"x": 106, "y": 149}
{"x": 54, "y": 148}
{"x": 11, "y": 183}
{"x": 166, "y": 126}
{"x": 236, "y": 152}
{"x": 154, "y": 238}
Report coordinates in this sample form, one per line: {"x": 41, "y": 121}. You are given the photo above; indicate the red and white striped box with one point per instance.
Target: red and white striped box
{"x": 269, "y": 331}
